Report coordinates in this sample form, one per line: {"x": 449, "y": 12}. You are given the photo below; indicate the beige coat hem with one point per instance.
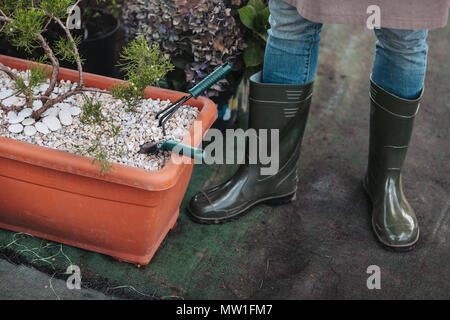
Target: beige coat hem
{"x": 354, "y": 12}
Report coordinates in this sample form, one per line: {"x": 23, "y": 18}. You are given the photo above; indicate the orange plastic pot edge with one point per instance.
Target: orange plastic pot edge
{"x": 71, "y": 163}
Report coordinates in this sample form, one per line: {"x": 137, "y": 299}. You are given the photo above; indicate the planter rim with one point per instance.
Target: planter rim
{"x": 63, "y": 161}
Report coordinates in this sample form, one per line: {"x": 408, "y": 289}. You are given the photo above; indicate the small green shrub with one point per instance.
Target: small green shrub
{"x": 143, "y": 65}
{"x": 91, "y": 112}
{"x": 255, "y": 16}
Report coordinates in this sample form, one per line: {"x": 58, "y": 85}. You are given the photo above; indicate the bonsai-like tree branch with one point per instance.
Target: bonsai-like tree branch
{"x": 143, "y": 65}
{"x": 51, "y": 102}
{"x": 75, "y": 50}
{"x": 8, "y": 72}
{"x": 69, "y": 36}
{"x": 45, "y": 97}
{"x": 55, "y": 65}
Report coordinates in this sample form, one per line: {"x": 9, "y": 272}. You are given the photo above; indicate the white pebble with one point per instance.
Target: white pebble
{"x": 13, "y": 119}
{"x": 52, "y": 123}
{"x": 53, "y": 111}
{"x": 13, "y": 101}
{"x": 65, "y": 116}
{"x": 43, "y": 87}
{"x": 25, "y": 113}
{"x": 64, "y": 106}
{"x": 11, "y": 114}
{"x": 75, "y": 111}
{"x": 15, "y": 128}
{"x": 37, "y": 104}
{"x": 30, "y": 130}
{"x": 42, "y": 128}
{"x": 28, "y": 121}
{"x": 5, "y": 93}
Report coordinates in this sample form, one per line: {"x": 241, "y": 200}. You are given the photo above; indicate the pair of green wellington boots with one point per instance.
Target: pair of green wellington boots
{"x": 286, "y": 108}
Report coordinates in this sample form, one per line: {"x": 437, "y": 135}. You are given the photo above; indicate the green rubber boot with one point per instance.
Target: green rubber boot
{"x": 391, "y": 124}
{"x": 272, "y": 106}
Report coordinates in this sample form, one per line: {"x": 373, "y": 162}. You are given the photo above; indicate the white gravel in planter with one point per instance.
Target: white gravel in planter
{"x": 62, "y": 129}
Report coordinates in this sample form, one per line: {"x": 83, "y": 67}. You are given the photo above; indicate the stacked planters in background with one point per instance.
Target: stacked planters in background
{"x": 98, "y": 48}
{"x": 97, "y": 37}
{"x": 199, "y": 36}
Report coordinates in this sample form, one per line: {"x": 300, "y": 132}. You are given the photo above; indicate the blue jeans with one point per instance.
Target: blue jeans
{"x": 293, "y": 47}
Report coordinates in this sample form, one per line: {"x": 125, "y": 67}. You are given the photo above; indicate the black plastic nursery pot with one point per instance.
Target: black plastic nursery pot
{"x": 99, "y": 48}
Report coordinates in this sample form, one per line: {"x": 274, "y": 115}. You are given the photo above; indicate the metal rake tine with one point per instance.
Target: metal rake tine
{"x": 169, "y": 107}
{"x": 167, "y": 116}
{"x": 169, "y": 113}
{"x": 163, "y": 120}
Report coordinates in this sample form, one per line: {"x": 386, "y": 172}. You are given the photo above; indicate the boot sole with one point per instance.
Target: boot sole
{"x": 390, "y": 247}
{"x": 272, "y": 201}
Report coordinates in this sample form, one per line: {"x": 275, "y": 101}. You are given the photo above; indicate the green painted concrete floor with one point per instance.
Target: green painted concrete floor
{"x": 321, "y": 245}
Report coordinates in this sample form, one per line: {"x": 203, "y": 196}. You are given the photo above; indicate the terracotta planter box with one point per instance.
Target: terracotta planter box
{"x": 62, "y": 197}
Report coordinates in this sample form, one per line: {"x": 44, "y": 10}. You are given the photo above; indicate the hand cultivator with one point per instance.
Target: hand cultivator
{"x": 164, "y": 116}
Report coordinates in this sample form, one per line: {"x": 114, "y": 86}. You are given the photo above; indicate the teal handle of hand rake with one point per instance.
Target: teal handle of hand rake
{"x": 210, "y": 80}
{"x": 183, "y": 149}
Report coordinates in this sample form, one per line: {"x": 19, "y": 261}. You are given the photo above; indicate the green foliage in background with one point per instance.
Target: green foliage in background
{"x": 26, "y": 25}
{"x": 198, "y": 36}
{"x": 63, "y": 48}
{"x": 255, "y": 16}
